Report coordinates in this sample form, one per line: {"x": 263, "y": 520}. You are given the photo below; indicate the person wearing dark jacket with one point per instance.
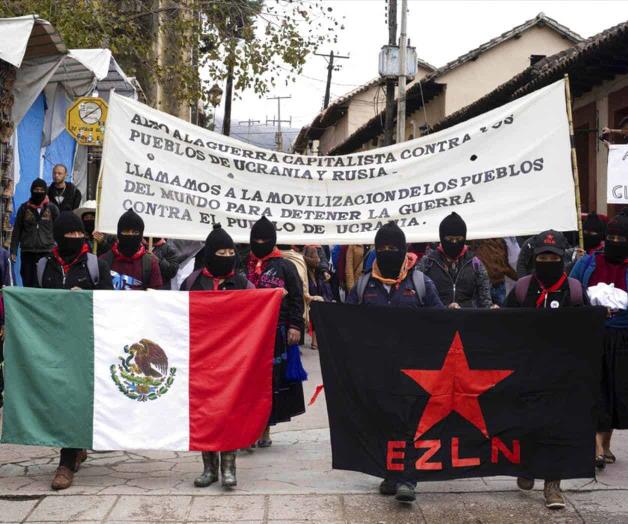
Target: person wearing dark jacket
{"x": 547, "y": 287}
{"x": 132, "y": 267}
{"x": 67, "y": 267}
{"x": 218, "y": 274}
{"x": 459, "y": 276}
{"x": 32, "y": 231}
{"x": 594, "y": 232}
{"x": 268, "y": 269}
{"x": 167, "y": 257}
{"x": 65, "y": 195}
{"x": 391, "y": 282}
{"x": 102, "y": 242}
{"x": 610, "y": 266}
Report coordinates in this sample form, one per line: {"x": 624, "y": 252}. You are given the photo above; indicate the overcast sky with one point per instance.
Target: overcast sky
{"x": 440, "y": 30}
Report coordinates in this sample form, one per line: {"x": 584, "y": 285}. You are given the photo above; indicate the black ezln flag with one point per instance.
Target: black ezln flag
{"x": 440, "y": 394}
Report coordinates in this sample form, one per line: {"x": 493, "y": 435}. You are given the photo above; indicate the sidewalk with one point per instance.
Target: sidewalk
{"x": 291, "y": 482}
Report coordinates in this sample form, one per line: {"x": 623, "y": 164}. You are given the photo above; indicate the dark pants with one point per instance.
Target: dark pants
{"x": 69, "y": 457}
{"x": 28, "y": 268}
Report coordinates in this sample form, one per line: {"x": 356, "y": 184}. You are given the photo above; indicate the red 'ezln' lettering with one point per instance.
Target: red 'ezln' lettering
{"x": 393, "y": 453}
{"x": 432, "y": 447}
{"x": 513, "y": 456}
{"x": 458, "y": 462}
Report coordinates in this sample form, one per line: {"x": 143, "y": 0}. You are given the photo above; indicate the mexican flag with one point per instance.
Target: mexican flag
{"x": 112, "y": 370}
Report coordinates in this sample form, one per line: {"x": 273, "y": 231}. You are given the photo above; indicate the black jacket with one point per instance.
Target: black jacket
{"x": 558, "y": 299}
{"x": 68, "y": 200}
{"x": 32, "y": 231}
{"x": 77, "y": 276}
{"x": 466, "y": 282}
{"x": 168, "y": 264}
{"x": 279, "y": 272}
{"x": 199, "y": 282}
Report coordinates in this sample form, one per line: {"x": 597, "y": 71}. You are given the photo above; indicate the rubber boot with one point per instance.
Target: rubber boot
{"x": 228, "y": 469}
{"x": 210, "y": 470}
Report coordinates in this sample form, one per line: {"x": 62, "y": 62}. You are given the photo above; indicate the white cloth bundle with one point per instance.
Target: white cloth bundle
{"x": 608, "y": 295}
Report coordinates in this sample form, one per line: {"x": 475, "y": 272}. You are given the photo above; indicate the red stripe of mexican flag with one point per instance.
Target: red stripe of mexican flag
{"x": 231, "y": 364}
{"x": 155, "y": 370}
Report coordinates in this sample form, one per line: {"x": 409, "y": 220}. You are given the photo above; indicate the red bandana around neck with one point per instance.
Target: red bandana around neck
{"x": 43, "y": 203}
{"x": 552, "y": 289}
{"x": 256, "y": 265}
{"x": 463, "y": 252}
{"x": 138, "y": 254}
{"x": 215, "y": 280}
{"x": 67, "y": 265}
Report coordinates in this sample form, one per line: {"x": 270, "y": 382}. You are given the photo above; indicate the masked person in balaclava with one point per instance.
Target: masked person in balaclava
{"x": 217, "y": 274}
{"x": 548, "y": 287}
{"x": 609, "y": 267}
{"x": 594, "y": 233}
{"x": 460, "y": 277}
{"x": 32, "y": 231}
{"x": 71, "y": 266}
{"x": 394, "y": 281}
{"x": 268, "y": 269}
{"x": 132, "y": 266}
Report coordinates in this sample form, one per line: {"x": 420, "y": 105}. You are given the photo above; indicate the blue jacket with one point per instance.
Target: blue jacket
{"x": 405, "y": 296}
{"x": 582, "y": 271}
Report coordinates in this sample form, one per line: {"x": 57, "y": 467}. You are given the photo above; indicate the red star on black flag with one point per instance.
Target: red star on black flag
{"x": 455, "y": 387}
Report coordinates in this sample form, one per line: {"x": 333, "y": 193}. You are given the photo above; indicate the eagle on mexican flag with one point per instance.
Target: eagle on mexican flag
{"x": 163, "y": 370}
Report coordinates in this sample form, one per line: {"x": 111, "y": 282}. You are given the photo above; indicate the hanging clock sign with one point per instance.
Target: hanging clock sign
{"x": 85, "y": 120}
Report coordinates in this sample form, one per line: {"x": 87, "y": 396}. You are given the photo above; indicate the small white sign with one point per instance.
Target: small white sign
{"x": 617, "y": 175}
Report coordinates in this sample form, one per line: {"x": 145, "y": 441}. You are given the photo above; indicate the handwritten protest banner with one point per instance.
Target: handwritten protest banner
{"x": 507, "y": 172}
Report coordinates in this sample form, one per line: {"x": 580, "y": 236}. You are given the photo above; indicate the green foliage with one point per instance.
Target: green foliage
{"x": 260, "y": 40}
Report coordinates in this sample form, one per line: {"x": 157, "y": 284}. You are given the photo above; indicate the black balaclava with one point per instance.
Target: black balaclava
{"x": 264, "y": 230}
{"x": 68, "y": 222}
{"x": 89, "y": 222}
{"x": 549, "y": 273}
{"x": 617, "y": 252}
{"x": 129, "y": 244}
{"x": 452, "y": 225}
{"x": 38, "y": 198}
{"x": 594, "y": 231}
{"x": 390, "y": 262}
{"x": 217, "y": 265}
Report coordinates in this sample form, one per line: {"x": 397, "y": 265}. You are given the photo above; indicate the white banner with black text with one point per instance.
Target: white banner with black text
{"x": 507, "y": 172}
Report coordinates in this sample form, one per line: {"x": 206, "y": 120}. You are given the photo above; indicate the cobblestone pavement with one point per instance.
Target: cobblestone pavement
{"x": 291, "y": 482}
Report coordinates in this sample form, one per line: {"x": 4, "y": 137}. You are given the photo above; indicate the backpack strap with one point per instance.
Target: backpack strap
{"x": 418, "y": 281}
{"x": 92, "y": 268}
{"x": 361, "y": 285}
{"x": 190, "y": 279}
{"x": 41, "y": 267}
{"x": 147, "y": 269}
{"x": 521, "y": 288}
{"x": 575, "y": 292}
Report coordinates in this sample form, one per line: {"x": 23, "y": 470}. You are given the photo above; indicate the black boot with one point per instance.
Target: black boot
{"x": 228, "y": 468}
{"x": 210, "y": 470}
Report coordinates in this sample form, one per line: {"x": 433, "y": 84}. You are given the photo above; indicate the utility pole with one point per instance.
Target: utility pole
{"x": 226, "y": 122}
{"x": 330, "y": 67}
{"x": 278, "y": 121}
{"x": 403, "y": 47}
{"x": 249, "y": 123}
{"x": 390, "y": 84}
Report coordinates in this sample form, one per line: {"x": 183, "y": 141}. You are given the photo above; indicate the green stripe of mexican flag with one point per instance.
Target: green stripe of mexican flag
{"x": 138, "y": 370}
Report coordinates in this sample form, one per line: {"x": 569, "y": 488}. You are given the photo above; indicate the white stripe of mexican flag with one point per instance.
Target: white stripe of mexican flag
{"x": 160, "y": 317}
